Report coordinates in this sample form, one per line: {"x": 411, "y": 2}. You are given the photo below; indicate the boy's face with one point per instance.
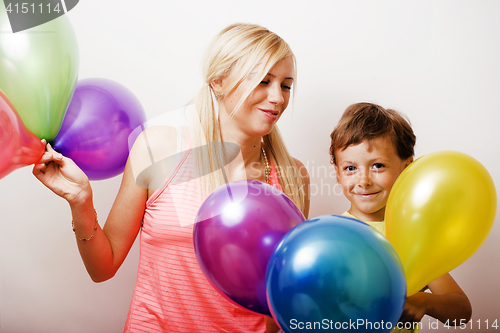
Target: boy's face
{"x": 366, "y": 173}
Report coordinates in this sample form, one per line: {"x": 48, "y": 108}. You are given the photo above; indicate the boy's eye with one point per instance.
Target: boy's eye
{"x": 350, "y": 168}
{"x": 378, "y": 166}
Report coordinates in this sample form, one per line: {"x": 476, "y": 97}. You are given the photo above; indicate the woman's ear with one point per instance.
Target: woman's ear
{"x": 217, "y": 85}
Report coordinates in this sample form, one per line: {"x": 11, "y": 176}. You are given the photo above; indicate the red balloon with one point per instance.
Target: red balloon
{"x": 236, "y": 230}
{"x": 19, "y": 146}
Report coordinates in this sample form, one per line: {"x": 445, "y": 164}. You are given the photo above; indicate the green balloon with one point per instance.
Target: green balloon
{"x": 38, "y": 72}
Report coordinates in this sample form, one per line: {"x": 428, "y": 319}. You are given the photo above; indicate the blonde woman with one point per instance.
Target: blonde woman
{"x": 249, "y": 73}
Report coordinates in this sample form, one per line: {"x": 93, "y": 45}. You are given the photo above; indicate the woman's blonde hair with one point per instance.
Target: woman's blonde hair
{"x": 234, "y": 54}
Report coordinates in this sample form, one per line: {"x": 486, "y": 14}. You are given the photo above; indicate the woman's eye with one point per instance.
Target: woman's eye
{"x": 264, "y": 82}
{"x": 284, "y": 86}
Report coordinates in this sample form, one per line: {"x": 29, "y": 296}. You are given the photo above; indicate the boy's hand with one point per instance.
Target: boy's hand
{"x": 415, "y": 308}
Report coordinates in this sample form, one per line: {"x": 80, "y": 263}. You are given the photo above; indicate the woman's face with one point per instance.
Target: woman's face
{"x": 264, "y": 106}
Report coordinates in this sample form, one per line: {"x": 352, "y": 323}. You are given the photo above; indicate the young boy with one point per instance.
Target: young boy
{"x": 370, "y": 148}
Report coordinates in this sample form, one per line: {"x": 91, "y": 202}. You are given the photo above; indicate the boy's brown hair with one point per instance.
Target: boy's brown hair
{"x": 367, "y": 121}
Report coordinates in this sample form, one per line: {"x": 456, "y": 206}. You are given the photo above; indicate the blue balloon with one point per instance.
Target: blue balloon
{"x": 334, "y": 272}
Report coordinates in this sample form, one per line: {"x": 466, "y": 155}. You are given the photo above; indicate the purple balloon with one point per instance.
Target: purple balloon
{"x": 236, "y": 231}
{"x": 95, "y": 131}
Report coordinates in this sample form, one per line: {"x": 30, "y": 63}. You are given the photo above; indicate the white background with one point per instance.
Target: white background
{"x": 436, "y": 61}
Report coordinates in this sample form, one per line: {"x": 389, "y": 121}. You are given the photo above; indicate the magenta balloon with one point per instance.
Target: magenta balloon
{"x": 236, "y": 230}
{"x": 95, "y": 131}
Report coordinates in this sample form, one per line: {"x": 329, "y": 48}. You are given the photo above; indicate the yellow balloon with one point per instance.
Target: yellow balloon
{"x": 440, "y": 210}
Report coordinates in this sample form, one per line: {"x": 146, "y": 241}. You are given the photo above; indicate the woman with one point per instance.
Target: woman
{"x": 249, "y": 72}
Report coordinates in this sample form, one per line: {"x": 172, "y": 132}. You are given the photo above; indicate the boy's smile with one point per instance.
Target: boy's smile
{"x": 367, "y": 172}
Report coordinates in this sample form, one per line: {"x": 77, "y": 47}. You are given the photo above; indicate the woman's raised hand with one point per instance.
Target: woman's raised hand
{"x": 62, "y": 176}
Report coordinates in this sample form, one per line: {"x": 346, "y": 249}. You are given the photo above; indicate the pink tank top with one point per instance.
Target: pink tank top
{"x": 171, "y": 292}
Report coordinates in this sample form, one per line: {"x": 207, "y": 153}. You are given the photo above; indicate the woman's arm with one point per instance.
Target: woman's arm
{"x": 105, "y": 252}
{"x": 447, "y": 302}
{"x": 271, "y": 326}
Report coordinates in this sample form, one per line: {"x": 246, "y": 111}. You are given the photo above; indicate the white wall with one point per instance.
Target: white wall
{"x": 437, "y": 61}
